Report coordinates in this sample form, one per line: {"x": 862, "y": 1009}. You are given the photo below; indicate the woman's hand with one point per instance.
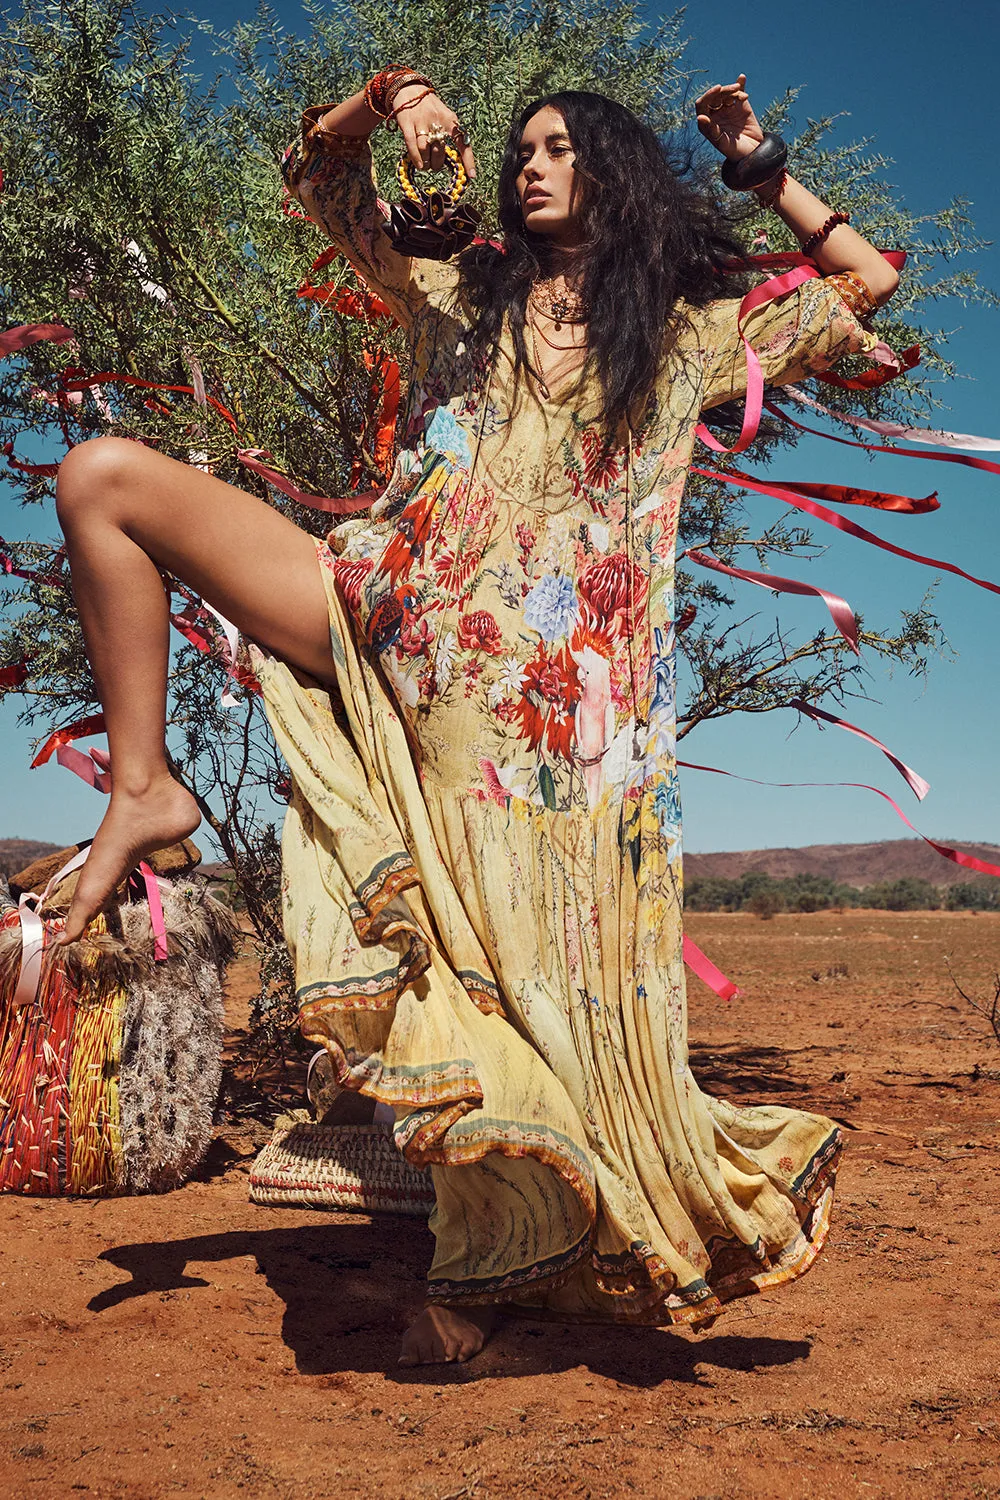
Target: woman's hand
{"x": 422, "y": 121}
{"x": 726, "y": 118}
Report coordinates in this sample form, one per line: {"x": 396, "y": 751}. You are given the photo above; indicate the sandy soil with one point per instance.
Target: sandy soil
{"x": 195, "y": 1345}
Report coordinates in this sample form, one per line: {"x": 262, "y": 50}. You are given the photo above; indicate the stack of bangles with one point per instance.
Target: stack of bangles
{"x": 381, "y": 92}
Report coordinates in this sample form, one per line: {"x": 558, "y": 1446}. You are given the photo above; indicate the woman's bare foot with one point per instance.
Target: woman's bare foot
{"x": 441, "y": 1335}
{"x": 134, "y": 826}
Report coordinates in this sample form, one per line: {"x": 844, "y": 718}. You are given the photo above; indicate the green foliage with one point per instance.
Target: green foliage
{"x": 142, "y": 208}
{"x": 765, "y": 895}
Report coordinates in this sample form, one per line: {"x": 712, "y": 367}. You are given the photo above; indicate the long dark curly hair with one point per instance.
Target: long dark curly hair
{"x": 651, "y": 236}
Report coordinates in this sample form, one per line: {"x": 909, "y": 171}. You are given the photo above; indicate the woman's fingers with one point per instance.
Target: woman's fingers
{"x": 411, "y": 143}
{"x": 427, "y": 128}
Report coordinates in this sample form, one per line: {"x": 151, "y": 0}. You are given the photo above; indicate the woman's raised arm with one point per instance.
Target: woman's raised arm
{"x": 726, "y": 118}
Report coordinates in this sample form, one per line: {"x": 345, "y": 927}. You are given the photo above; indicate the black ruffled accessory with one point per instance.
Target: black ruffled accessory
{"x": 431, "y": 224}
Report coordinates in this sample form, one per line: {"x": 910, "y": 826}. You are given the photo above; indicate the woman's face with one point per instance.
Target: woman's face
{"x": 547, "y": 185}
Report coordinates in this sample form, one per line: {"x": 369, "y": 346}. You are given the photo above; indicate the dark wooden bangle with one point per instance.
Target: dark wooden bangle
{"x": 757, "y": 168}
{"x": 825, "y": 230}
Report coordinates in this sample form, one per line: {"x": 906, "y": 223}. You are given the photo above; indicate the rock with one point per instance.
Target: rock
{"x": 173, "y": 862}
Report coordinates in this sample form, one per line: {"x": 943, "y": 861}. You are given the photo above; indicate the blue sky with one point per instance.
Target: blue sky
{"x": 920, "y": 85}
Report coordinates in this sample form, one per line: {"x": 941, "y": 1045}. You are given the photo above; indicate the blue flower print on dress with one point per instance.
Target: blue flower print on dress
{"x": 551, "y": 608}
{"x": 445, "y": 435}
{"x": 667, "y": 802}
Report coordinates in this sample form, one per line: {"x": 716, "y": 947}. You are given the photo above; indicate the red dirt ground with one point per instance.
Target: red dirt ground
{"x": 195, "y": 1345}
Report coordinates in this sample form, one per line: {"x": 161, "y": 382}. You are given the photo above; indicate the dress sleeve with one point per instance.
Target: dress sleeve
{"x": 795, "y": 336}
{"x": 331, "y": 176}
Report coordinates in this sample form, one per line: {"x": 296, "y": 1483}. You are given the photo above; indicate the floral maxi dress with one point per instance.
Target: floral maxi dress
{"x": 482, "y": 854}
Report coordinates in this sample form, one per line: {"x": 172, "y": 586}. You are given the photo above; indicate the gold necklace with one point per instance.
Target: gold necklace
{"x": 539, "y": 377}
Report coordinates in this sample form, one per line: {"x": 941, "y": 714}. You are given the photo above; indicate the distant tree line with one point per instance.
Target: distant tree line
{"x": 766, "y": 895}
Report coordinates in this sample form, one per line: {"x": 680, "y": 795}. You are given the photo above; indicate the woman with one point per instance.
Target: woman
{"x": 474, "y": 693}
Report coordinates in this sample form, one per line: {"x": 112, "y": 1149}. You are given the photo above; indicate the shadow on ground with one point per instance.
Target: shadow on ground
{"x": 736, "y": 1069}
{"x": 349, "y": 1290}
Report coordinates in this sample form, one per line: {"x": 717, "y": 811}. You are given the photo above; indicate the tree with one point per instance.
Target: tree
{"x": 142, "y": 209}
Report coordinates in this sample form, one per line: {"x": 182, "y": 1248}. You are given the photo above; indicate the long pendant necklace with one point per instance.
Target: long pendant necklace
{"x": 537, "y": 333}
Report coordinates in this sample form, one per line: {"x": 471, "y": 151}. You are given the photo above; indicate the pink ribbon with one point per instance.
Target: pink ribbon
{"x": 957, "y": 856}
{"x": 790, "y": 497}
{"x": 94, "y": 769}
{"x": 801, "y": 269}
{"x": 777, "y": 286}
{"x": 840, "y": 611}
{"x": 156, "y": 918}
{"x": 941, "y": 458}
{"x": 700, "y": 964}
{"x": 32, "y": 947}
{"x": 251, "y": 458}
{"x": 92, "y": 724}
{"x": 33, "y": 933}
{"x": 916, "y": 782}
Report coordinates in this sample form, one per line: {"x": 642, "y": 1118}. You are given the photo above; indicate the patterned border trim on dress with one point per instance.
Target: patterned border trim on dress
{"x": 816, "y": 1171}
{"x": 429, "y": 1148}
{"x": 541, "y": 1275}
{"x": 356, "y": 992}
{"x": 484, "y": 993}
{"x": 383, "y": 884}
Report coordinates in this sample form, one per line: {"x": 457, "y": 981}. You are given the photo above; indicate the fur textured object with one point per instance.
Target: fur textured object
{"x": 171, "y": 1063}
{"x": 163, "y": 1062}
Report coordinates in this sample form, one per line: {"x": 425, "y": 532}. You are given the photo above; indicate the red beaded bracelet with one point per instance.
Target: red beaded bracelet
{"x": 815, "y": 240}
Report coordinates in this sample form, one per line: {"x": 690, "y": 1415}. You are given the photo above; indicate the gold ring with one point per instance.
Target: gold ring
{"x": 437, "y": 135}
{"x": 719, "y": 104}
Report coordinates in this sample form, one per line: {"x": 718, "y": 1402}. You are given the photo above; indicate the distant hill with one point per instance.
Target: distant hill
{"x": 848, "y": 864}
{"x": 17, "y": 854}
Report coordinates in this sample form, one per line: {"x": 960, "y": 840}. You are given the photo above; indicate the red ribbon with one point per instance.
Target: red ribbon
{"x": 251, "y": 458}
{"x": 113, "y": 378}
{"x": 15, "y": 339}
{"x": 848, "y": 494}
{"x": 957, "y": 856}
{"x": 93, "y": 724}
{"x": 831, "y": 518}
{"x": 916, "y": 782}
{"x": 13, "y": 677}
{"x": 48, "y": 471}
{"x": 840, "y": 610}
{"x": 870, "y": 380}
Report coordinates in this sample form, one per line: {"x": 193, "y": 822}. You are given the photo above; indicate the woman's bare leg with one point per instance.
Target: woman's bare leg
{"x": 125, "y": 511}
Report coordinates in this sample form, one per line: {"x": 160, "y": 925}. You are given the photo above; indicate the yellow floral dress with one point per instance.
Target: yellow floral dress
{"x": 482, "y": 854}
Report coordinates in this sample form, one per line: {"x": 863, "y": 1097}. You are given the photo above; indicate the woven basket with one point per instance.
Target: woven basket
{"x": 339, "y": 1167}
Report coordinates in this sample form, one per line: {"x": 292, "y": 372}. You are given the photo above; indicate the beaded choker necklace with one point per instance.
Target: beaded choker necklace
{"x": 559, "y": 303}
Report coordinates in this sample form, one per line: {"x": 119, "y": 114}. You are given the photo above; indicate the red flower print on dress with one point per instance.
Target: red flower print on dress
{"x": 350, "y": 574}
{"x": 479, "y": 631}
{"x": 495, "y": 789}
{"x": 550, "y": 691}
{"x": 526, "y": 541}
{"x": 601, "y": 469}
{"x": 454, "y": 570}
{"x": 613, "y": 586}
